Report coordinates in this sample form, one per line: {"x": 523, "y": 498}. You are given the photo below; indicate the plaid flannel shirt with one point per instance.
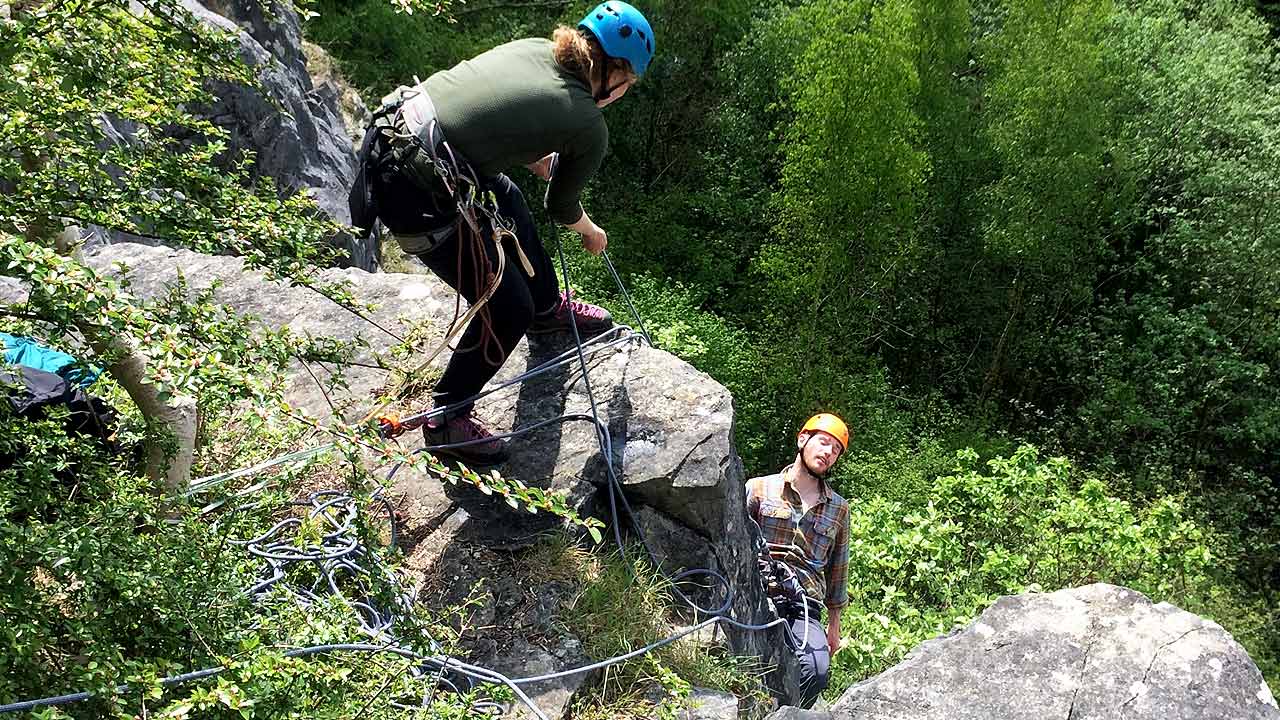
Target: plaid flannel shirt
{"x": 815, "y": 543}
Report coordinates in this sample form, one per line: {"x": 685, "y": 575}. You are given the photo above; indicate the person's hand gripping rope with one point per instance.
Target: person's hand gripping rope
{"x": 594, "y": 237}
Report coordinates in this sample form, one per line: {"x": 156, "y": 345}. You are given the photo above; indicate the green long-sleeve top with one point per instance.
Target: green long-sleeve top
{"x": 515, "y": 104}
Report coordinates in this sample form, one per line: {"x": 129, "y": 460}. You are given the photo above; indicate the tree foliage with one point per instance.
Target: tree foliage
{"x": 920, "y": 570}
{"x": 108, "y": 580}
{"x": 958, "y": 223}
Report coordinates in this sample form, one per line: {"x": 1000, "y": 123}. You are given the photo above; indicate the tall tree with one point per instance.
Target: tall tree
{"x": 851, "y": 180}
{"x": 1048, "y": 110}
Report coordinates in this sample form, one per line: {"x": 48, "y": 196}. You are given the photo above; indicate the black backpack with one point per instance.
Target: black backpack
{"x": 30, "y": 393}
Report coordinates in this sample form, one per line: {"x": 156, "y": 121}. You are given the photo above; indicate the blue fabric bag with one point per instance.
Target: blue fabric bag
{"x": 28, "y": 352}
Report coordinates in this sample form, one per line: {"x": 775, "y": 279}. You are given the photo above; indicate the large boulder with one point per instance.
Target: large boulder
{"x": 1094, "y": 652}
{"x": 671, "y": 428}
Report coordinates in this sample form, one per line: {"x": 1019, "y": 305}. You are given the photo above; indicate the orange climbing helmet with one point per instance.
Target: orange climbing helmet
{"x": 829, "y": 424}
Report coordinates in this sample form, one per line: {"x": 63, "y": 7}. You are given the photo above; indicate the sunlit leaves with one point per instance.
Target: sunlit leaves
{"x": 1020, "y": 523}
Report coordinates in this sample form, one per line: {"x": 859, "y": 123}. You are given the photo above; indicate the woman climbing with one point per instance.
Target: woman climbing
{"x": 434, "y": 164}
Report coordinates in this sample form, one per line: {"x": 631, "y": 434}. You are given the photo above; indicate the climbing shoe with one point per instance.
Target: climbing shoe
{"x": 480, "y": 448}
{"x": 591, "y": 319}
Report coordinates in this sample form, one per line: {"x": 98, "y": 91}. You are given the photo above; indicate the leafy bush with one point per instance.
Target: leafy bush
{"x": 107, "y": 583}
{"x": 919, "y": 569}
{"x": 99, "y": 583}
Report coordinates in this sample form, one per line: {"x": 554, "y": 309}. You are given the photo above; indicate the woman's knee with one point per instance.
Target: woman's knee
{"x": 505, "y": 189}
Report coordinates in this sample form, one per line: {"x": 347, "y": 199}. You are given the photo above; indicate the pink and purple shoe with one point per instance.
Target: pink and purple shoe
{"x": 591, "y": 319}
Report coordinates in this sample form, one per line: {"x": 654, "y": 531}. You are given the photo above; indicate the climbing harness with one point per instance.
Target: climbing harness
{"x": 779, "y": 580}
{"x": 782, "y": 585}
{"x": 405, "y": 142}
{"x": 416, "y": 148}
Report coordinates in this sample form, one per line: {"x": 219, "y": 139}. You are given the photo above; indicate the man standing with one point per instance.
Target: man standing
{"x": 806, "y": 528}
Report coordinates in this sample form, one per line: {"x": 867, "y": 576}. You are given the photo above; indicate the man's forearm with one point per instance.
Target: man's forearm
{"x": 833, "y": 630}
{"x": 584, "y": 224}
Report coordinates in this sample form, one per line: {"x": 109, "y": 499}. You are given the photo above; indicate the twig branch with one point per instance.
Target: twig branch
{"x": 383, "y": 688}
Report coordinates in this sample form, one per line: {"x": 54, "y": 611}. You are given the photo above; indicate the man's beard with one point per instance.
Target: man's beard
{"x": 821, "y": 475}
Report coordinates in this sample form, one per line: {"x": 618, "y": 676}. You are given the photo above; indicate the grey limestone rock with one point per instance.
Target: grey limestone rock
{"x": 704, "y": 704}
{"x": 551, "y": 696}
{"x": 795, "y": 713}
{"x": 294, "y": 129}
{"x": 332, "y": 87}
{"x": 1091, "y": 653}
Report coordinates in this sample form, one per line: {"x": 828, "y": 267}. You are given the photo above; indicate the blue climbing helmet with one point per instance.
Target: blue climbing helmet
{"x": 623, "y": 33}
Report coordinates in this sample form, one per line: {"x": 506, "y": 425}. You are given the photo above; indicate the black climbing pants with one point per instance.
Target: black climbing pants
{"x": 808, "y": 640}
{"x": 492, "y": 335}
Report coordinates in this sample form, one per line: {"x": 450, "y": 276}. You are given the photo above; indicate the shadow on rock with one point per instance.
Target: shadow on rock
{"x": 545, "y": 458}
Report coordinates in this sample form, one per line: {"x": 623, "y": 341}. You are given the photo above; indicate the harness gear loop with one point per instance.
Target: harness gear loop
{"x": 505, "y": 234}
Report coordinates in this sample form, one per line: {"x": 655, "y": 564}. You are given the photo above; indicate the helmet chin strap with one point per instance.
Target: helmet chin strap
{"x": 602, "y": 80}
{"x": 804, "y": 461}
{"x": 606, "y": 92}
{"x": 605, "y": 89}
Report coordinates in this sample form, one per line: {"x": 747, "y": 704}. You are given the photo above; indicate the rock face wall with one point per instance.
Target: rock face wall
{"x": 672, "y": 431}
{"x": 296, "y": 130}
{"x": 293, "y": 126}
{"x": 1087, "y": 653}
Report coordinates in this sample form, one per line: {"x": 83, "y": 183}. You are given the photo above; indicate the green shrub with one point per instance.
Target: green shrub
{"x": 919, "y": 569}
{"x": 104, "y": 582}
{"x": 619, "y": 607}
{"x": 98, "y": 583}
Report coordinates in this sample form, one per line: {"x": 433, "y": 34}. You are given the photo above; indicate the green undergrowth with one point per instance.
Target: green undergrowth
{"x": 619, "y": 606}
{"x": 103, "y": 582}
{"x": 922, "y": 567}
{"x": 396, "y": 260}
{"x": 382, "y": 47}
